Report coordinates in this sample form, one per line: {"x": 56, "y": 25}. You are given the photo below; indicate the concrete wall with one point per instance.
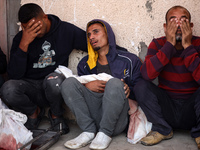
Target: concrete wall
{"x": 135, "y": 22}
{"x": 3, "y": 26}
{"x": 8, "y": 23}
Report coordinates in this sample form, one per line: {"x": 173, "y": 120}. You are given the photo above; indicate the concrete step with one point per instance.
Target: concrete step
{"x": 181, "y": 141}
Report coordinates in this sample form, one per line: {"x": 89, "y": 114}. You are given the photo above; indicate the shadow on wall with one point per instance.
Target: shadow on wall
{"x": 142, "y": 55}
{"x": 143, "y": 52}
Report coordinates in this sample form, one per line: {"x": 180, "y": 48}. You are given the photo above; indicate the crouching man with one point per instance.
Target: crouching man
{"x": 174, "y": 59}
{"x": 100, "y": 107}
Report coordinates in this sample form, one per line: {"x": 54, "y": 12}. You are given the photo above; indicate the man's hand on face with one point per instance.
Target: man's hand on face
{"x": 186, "y": 33}
{"x": 96, "y": 86}
{"x": 29, "y": 33}
{"x": 170, "y": 31}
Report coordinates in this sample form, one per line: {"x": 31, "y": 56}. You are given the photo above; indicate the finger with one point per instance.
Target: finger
{"x": 101, "y": 89}
{"x": 38, "y": 29}
{"x": 36, "y": 26}
{"x": 30, "y": 24}
{"x": 184, "y": 27}
{"x": 103, "y": 82}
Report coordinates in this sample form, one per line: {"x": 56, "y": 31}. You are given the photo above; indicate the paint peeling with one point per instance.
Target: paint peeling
{"x": 149, "y": 6}
{"x": 132, "y": 43}
{"x": 143, "y": 50}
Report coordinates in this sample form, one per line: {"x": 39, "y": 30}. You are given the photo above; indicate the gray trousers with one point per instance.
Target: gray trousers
{"x": 105, "y": 112}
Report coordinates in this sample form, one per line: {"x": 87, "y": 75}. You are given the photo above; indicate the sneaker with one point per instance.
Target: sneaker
{"x": 197, "y": 140}
{"x": 82, "y": 140}
{"x": 58, "y": 120}
{"x": 101, "y": 141}
{"x": 155, "y": 137}
{"x": 32, "y": 124}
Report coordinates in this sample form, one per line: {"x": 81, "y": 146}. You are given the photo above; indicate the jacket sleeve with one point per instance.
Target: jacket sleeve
{"x": 18, "y": 60}
{"x": 192, "y": 62}
{"x": 80, "y": 41}
{"x": 156, "y": 59}
{"x": 81, "y": 68}
{"x": 3, "y": 62}
{"x": 136, "y": 76}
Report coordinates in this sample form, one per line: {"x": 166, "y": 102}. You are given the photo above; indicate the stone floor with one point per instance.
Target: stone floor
{"x": 181, "y": 141}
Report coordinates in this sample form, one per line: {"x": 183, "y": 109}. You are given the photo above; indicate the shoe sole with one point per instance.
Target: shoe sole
{"x": 83, "y": 145}
{"x": 146, "y": 144}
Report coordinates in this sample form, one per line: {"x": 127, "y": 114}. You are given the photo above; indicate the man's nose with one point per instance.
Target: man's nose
{"x": 91, "y": 36}
{"x": 178, "y": 22}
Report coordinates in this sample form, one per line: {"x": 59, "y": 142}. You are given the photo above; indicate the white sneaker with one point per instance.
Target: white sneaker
{"x": 80, "y": 141}
{"x": 101, "y": 141}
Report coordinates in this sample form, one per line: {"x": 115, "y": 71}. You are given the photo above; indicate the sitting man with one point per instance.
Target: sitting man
{"x": 101, "y": 107}
{"x": 174, "y": 59}
{"x": 3, "y": 66}
{"x": 44, "y": 43}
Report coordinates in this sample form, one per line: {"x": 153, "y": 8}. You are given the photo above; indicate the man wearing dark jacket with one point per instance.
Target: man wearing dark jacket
{"x": 44, "y": 43}
{"x": 3, "y": 66}
{"x": 101, "y": 107}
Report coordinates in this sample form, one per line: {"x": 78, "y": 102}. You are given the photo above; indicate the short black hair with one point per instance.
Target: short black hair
{"x": 94, "y": 22}
{"x": 175, "y": 7}
{"x": 29, "y": 11}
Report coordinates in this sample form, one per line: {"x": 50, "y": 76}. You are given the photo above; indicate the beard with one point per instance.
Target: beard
{"x": 97, "y": 48}
{"x": 178, "y": 37}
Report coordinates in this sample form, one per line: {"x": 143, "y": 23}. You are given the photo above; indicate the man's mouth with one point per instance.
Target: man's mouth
{"x": 93, "y": 43}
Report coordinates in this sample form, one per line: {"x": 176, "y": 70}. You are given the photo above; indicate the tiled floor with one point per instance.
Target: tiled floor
{"x": 181, "y": 141}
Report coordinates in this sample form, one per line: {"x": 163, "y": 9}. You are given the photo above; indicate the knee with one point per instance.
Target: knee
{"x": 68, "y": 85}
{"x": 53, "y": 81}
{"x": 139, "y": 90}
{"x": 69, "y": 89}
{"x": 114, "y": 86}
{"x": 9, "y": 91}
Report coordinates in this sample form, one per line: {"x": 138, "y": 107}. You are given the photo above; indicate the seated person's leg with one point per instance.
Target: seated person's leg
{"x": 114, "y": 114}
{"x": 51, "y": 86}
{"x": 23, "y": 96}
{"x": 156, "y": 105}
{"x": 75, "y": 95}
{"x": 195, "y": 132}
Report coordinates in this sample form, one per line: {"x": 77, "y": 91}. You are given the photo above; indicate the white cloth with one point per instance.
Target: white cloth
{"x": 84, "y": 78}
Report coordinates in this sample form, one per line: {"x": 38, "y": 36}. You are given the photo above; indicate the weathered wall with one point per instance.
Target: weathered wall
{"x": 135, "y": 22}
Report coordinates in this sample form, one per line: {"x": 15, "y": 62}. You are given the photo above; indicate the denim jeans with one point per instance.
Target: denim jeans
{"x": 26, "y": 95}
{"x": 106, "y": 112}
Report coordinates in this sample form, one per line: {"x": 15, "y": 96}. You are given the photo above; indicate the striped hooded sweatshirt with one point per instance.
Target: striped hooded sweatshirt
{"x": 178, "y": 71}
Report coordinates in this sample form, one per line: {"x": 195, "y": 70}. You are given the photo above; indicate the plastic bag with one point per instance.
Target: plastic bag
{"x": 139, "y": 127}
{"x": 2, "y": 105}
{"x": 13, "y": 133}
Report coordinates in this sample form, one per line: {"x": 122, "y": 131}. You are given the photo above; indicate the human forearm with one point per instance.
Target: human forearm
{"x": 156, "y": 60}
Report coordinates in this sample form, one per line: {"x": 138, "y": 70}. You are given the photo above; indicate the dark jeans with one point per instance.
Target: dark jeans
{"x": 25, "y": 95}
{"x": 166, "y": 113}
